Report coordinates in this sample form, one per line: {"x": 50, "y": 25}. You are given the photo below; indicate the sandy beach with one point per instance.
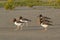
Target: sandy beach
{"x": 33, "y": 31}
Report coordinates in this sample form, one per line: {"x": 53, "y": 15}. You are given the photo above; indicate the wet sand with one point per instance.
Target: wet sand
{"x": 33, "y": 31}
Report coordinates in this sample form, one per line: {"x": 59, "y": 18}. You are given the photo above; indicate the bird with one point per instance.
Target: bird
{"x": 18, "y": 23}
{"x": 25, "y": 20}
{"x": 44, "y": 22}
{"x": 41, "y": 16}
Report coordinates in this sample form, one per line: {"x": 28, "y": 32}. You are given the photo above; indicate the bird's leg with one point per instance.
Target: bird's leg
{"x": 45, "y": 29}
{"x": 26, "y": 24}
{"x": 17, "y": 28}
{"x": 22, "y": 26}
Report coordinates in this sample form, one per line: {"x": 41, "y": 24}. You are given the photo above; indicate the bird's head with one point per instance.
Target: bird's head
{"x": 20, "y": 17}
{"x": 40, "y": 15}
{"x": 14, "y": 19}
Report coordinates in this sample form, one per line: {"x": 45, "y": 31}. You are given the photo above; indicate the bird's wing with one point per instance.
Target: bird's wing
{"x": 47, "y": 17}
{"x": 26, "y": 19}
{"x": 19, "y": 22}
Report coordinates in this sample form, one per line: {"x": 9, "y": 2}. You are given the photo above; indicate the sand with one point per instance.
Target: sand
{"x": 33, "y": 31}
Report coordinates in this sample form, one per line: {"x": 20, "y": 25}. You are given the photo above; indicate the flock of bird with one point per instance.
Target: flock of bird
{"x": 20, "y": 23}
{"x": 44, "y": 22}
